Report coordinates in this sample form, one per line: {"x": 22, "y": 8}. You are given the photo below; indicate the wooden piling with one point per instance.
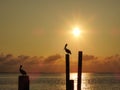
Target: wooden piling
{"x": 23, "y": 83}
{"x": 67, "y": 71}
{"x": 79, "y": 70}
{"x": 71, "y": 85}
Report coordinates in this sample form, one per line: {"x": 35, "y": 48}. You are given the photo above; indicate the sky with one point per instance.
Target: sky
{"x": 34, "y": 32}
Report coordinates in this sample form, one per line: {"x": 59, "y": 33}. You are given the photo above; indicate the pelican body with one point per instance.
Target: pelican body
{"x": 23, "y": 72}
{"x": 67, "y": 50}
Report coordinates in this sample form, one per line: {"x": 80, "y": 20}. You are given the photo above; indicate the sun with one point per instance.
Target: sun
{"x": 76, "y": 31}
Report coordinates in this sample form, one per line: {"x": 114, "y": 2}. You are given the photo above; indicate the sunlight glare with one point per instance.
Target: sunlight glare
{"x": 76, "y": 32}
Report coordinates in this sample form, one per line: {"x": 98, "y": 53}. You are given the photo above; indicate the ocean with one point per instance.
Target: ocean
{"x": 90, "y": 81}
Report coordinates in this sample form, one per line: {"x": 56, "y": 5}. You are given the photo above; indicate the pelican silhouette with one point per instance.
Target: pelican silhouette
{"x": 23, "y": 72}
{"x": 67, "y": 50}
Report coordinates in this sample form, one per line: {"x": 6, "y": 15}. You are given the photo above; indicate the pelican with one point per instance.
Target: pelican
{"x": 67, "y": 50}
{"x": 23, "y": 72}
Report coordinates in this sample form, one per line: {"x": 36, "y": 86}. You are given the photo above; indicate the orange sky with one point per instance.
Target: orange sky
{"x": 41, "y": 28}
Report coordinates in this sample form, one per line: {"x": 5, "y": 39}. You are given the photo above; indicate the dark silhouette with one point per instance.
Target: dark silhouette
{"x": 23, "y": 80}
{"x": 67, "y": 50}
{"x": 79, "y": 75}
{"x": 23, "y": 72}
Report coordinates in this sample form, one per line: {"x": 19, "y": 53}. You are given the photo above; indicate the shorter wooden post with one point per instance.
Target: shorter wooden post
{"x": 71, "y": 85}
{"x": 23, "y": 83}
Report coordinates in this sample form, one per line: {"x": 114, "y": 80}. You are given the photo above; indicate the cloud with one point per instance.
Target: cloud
{"x": 52, "y": 59}
{"x": 89, "y": 57}
{"x": 23, "y": 57}
{"x": 107, "y": 64}
{"x": 56, "y": 63}
{"x": 10, "y": 63}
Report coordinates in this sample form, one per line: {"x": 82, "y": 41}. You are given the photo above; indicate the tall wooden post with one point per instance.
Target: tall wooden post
{"x": 79, "y": 70}
{"x": 23, "y": 83}
{"x": 67, "y": 71}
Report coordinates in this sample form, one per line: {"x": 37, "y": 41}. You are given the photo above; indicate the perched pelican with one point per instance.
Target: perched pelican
{"x": 23, "y": 72}
{"x": 67, "y": 50}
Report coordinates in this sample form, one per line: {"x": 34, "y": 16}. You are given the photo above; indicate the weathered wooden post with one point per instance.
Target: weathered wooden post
{"x": 67, "y": 71}
{"x": 71, "y": 85}
{"x": 23, "y": 83}
{"x": 79, "y": 70}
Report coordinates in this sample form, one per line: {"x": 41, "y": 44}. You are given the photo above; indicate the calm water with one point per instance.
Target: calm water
{"x": 90, "y": 81}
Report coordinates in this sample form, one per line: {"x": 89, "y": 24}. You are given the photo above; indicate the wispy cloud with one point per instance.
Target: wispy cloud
{"x": 52, "y": 59}
{"x": 11, "y": 63}
{"x": 89, "y": 57}
{"x": 56, "y": 63}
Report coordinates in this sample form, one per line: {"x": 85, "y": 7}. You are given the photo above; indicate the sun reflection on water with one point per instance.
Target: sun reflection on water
{"x": 73, "y": 76}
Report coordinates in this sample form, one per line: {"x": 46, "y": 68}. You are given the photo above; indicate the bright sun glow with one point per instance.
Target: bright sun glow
{"x": 76, "y": 31}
